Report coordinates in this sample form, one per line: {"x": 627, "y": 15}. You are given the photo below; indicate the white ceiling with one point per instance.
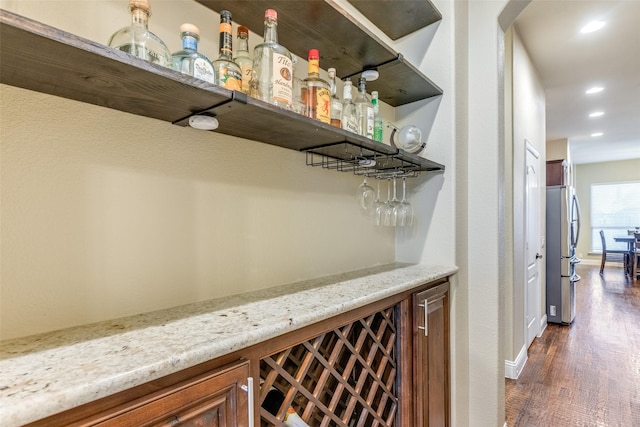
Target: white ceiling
{"x": 569, "y": 62}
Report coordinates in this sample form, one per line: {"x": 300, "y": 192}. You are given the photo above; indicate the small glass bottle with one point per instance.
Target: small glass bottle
{"x": 189, "y": 60}
{"x": 317, "y": 96}
{"x": 378, "y": 123}
{"x": 272, "y": 67}
{"x": 349, "y": 119}
{"x": 242, "y": 57}
{"x": 364, "y": 110}
{"x": 336, "y": 103}
{"x": 137, "y": 40}
{"x": 228, "y": 73}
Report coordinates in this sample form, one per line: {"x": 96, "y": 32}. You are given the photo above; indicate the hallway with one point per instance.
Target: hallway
{"x": 588, "y": 374}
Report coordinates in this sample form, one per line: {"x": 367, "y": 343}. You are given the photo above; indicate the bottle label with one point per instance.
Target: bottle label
{"x": 282, "y": 82}
{"x": 370, "y": 122}
{"x": 247, "y": 72}
{"x": 203, "y": 70}
{"x": 378, "y": 130}
{"x": 323, "y": 105}
{"x": 230, "y": 79}
{"x": 226, "y": 38}
{"x": 351, "y": 123}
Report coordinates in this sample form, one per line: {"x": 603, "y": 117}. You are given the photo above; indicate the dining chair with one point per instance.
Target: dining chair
{"x": 606, "y": 252}
{"x": 635, "y": 267}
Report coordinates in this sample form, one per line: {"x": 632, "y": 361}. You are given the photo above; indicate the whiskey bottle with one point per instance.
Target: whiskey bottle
{"x": 228, "y": 73}
{"x": 317, "y": 96}
{"x": 136, "y": 38}
{"x": 272, "y": 66}
{"x": 336, "y": 103}
{"x": 242, "y": 57}
{"x": 378, "y": 123}
{"x": 349, "y": 120}
{"x": 189, "y": 60}
{"x": 364, "y": 110}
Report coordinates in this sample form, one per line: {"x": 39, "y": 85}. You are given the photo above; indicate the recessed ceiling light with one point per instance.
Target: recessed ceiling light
{"x": 592, "y": 26}
{"x": 597, "y": 134}
{"x": 597, "y": 114}
{"x": 594, "y": 89}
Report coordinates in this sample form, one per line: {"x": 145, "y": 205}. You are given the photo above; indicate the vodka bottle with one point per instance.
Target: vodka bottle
{"x": 242, "y": 57}
{"x": 349, "y": 119}
{"x": 228, "y": 73}
{"x": 137, "y": 40}
{"x": 378, "y": 123}
{"x": 364, "y": 110}
{"x": 317, "y": 96}
{"x": 189, "y": 60}
{"x": 336, "y": 103}
{"x": 272, "y": 66}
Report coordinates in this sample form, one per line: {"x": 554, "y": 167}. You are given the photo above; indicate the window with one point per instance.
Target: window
{"x": 615, "y": 208}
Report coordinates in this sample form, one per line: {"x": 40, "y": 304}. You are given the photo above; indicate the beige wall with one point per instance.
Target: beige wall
{"x": 598, "y": 173}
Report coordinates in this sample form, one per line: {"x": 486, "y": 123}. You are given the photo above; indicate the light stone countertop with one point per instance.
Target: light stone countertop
{"x": 45, "y": 374}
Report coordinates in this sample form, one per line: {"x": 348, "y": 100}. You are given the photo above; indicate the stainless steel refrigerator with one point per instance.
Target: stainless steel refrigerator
{"x": 563, "y": 231}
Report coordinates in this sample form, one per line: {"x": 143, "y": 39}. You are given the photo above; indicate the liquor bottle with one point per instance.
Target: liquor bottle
{"x": 292, "y": 419}
{"x": 137, "y": 40}
{"x": 242, "y": 57}
{"x": 336, "y": 103}
{"x": 228, "y": 73}
{"x": 317, "y": 96}
{"x": 364, "y": 110}
{"x": 272, "y": 66}
{"x": 189, "y": 60}
{"x": 378, "y": 123}
{"x": 349, "y": 119}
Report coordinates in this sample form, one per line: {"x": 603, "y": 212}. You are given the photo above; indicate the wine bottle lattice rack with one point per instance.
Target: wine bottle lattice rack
{"x": 344, "y": 377}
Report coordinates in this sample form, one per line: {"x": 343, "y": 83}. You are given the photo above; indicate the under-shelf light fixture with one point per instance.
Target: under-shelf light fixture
{"x": 595, "y": 134}
{"x": 592, "y": 26}
{"x": 597, "y": 114}
{"x": 594, "y": 89}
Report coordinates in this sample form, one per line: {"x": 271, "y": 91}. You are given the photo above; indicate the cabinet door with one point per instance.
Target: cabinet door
{"x": 431, "y": 367}
{"x": 213, "y": 399}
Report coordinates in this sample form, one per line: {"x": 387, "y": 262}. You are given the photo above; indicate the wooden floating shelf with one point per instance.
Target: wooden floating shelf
{"x": 47, "y": 60}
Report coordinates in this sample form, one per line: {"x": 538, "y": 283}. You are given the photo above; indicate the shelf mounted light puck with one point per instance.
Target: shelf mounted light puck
{"x": 203, "y": 122}
{"x": 370, "y": 75}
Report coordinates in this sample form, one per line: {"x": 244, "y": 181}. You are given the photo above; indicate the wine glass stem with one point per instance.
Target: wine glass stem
{"x": 394, "y": 188}
{"x": 388, "y": 189}
{"x": 404, "y": 188}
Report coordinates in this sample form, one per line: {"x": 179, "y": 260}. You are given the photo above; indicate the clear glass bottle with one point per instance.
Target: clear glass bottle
{"x": 228, "y": 73}
{"x": 189, "y": 60}
{"x": 317, "y": 95}
{"x": 242, "y": 57}
{"x": 272, "y": 66}
{"x": 349, "y": 119}
{"x": 336, "y": 103}
{"x": 137, "y": 40}
{"x": 378, "y": 123}
{"x": 364, "y": 110}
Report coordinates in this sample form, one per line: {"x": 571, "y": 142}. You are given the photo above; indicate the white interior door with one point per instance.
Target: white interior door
{"x": 532, "y": 242}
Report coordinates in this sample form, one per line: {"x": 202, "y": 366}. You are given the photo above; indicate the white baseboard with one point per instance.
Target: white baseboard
{"x": 543, "y": 325}
{"x": 512, "y": 369}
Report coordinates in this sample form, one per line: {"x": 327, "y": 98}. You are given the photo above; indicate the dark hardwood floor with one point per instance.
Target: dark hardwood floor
{"x": 586, "y": 374}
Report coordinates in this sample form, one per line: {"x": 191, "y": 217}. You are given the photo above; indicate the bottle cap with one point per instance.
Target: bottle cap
{"x": 271, "y": 14}
{"x": 374, "y": 94}
{"x": 243, "y": 30}
{"x": 331, "y": 70}
{"x": 189, "y": 28}
{"x": 140, "y": 4}
{"x": 314, "y": 54}
{"x": 225, "y": 14}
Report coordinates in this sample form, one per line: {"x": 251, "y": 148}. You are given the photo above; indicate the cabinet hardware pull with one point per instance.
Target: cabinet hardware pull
{"x": 249, "y": 389}
{"x": 426, "y": 319}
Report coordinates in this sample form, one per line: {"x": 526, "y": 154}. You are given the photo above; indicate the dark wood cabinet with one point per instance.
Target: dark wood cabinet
{"x": 431, "y": 352}
{"x": 557, "y": 172}
{"x": 214, "y": 398}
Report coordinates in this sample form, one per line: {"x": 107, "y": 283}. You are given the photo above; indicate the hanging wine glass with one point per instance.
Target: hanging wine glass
{"x": 404, "y": 210}
{"x": 365, "y": 196}
{"x": 378, "y": 206}
{"x": 388, "y": 214}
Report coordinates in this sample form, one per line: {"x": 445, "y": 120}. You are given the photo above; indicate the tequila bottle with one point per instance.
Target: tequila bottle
{"x": 272, "y": 66}
{"x": 137, "y": 40}
{"x": 242, "y": 57}
{"x": 364, "y": 110}
{"x": 349, "y": 119}
{"x": 336, "y": 104}
{"x": 317, "y": 96}
{"x": 378, "y": 123}
{"x": 189, "y": 60}
{"x": 228, "y": 73}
